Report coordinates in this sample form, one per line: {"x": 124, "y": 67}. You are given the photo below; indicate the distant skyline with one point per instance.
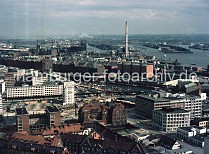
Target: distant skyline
{"x": 50, "y": 18}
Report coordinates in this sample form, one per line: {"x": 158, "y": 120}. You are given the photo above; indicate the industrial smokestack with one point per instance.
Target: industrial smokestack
{"x": 126, "y": 32}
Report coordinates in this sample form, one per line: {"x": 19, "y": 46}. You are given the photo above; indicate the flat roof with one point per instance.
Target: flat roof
{"x": 52, "y": 109}
{"x": 150, "y": 97}
{"x": 20, "y": 111}
{"x": 189, "y": 128}
{"x": 171, "y": 110}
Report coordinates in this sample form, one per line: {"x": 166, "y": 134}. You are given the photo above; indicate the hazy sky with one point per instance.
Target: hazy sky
{"x": 29, "y": 18}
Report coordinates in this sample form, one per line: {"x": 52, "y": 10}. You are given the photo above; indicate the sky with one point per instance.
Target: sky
{"x": 33, "y": 18}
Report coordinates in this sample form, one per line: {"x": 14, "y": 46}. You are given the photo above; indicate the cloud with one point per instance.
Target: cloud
{"x": 57, "y": 16}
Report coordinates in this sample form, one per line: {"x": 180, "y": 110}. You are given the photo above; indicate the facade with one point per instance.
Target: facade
{"x": 169, "y": 119}
{"x": 1, "y": 105}
{"x": 68, "y": 90}
{"x": 22, "y": 120}
{"x": 10, "y": 79}
{"x": 147, "y": 103}
{"x": 2, "y": 86}
{"x": 34, "y": 91}
{"x": 34, "y": 122}
{"x": 107, "y": 113}
{"x": 202, "y": 122}
{"x": 54, "y": 116}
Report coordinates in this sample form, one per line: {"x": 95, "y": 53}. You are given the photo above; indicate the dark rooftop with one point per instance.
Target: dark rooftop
{"x": 20, "y": 111}
{"x": 52, "y": 109}
{"x": 171, "y": 110}
{"x": 189, "y": 128}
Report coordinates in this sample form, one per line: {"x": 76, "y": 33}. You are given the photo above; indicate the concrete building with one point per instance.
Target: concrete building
{"x": 68, "y": 93}
{"x": 54, "y": 116}
{"x": 22, "y": 120}
{"x": 34, "y": 122}
{"x": 147, "y": 103}
{"x": 10, "y": 79}
{"x": 169, "y": 119}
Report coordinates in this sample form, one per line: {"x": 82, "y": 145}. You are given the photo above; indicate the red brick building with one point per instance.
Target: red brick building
{"x": 109, "y": 113}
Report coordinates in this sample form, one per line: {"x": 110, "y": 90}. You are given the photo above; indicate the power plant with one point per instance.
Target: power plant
{"x": 126, "y": 32}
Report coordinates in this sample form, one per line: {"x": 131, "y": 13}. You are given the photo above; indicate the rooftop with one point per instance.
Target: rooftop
{"x": 52, "y": 109}
{"x": 171, "y": 110}
{"x": 20, "y": 111}
{"x": 189, "y": 128}
{"x": 151, "y": 97}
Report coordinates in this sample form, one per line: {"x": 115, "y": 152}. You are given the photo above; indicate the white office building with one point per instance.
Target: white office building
{"x": 35, "y": 91}
{"x": 2, "y": 86}
{"x": 169, "y": 119}
{"x": 69, "y": 93}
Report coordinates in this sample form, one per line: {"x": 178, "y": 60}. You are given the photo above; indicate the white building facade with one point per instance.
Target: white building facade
{"x": 69, "y": 93}
{"x": 34, "y": 91}
{"x": 170, "y": 119}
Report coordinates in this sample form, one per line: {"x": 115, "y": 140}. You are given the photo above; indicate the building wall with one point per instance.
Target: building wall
{"x": 10, "y": 79}
{"x": 145, "y": 107}
{"x": 192, "y": 104}
{"x": 118, "y": 116}
{"x": 23, "y": 123}
{"x": 69, "y": 94}
{"x": 1, "y": 105}
{"x": 33, "y": 91}
{"x": 2, "y": 86}
{"x": 169, "y": 122}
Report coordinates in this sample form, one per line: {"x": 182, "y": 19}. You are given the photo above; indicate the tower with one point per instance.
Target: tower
{"x": 126, "y": 32}
{"x": 68, "y": 93}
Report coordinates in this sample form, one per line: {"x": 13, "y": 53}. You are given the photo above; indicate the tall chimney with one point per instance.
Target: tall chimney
{"x": 126, "y": 32}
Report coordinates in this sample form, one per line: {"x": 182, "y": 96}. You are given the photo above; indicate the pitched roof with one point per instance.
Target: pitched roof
{"x": 63, "y": 129}
{"x": 37, "y": 144}
{"x": 72, "y": 138}
{"x": 29, "y": 138}
{"x": 113, "y": 145}
{"x": 167, "y": 141}
{"x": 110, "y": 134}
